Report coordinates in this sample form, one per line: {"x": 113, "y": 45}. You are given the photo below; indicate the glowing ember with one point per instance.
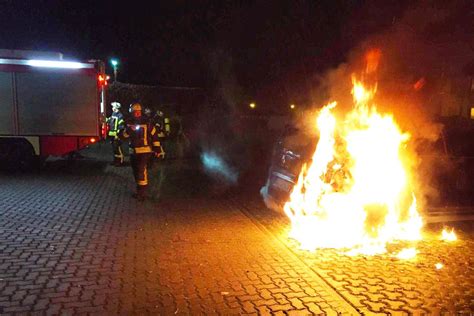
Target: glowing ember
{"x": 407, "y": 253}
{"x": 439, "y": 266}
{"x": 448, "y": 235}
{"x": 356, "y": 193}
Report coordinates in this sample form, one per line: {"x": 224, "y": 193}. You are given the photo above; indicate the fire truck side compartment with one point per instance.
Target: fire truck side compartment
{"x": 6, "y": 104}
{"x": 54, "y": 103}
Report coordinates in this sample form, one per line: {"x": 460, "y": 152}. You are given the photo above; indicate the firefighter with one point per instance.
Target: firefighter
{"x": 158, "y": 120}
{"x": 116, "y": 125}
{"x": 144, "y": 143}
{"x": 147, "y": 113}
{"x": 166, "y": 126}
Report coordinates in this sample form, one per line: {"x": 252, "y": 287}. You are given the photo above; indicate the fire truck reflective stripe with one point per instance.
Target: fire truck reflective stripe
{"x": 142, "y": 150}
{"x": 156, "y": 144}
{"x": 144, "y": 182}
{"x": 46, "y": 63}
{"x": 153, "y": 131}
{"x": 112, "y": 133}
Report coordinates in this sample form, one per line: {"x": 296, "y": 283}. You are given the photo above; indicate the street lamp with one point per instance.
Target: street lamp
{"x": 252, "y": 105}
{"x": 114, "y": 63}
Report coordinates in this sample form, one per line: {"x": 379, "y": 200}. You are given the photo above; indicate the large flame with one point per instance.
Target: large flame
{"x": 356, "y": 192}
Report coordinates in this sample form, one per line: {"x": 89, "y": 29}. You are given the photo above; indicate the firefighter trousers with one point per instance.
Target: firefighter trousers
{"x": 117, "y": 148}
{"x": 139, "y": 164}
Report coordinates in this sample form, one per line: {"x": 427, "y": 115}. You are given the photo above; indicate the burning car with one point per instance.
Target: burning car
{"x": 292, "y": 149}
{"x": 356, "y": 180}
{"x": 447, "y": 165}
{"x": 355, "y": 186}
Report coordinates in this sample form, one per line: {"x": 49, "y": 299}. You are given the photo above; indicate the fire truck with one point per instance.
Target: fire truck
{"x": 49, "y": 106}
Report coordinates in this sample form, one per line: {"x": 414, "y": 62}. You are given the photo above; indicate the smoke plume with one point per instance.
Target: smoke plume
{"x": 422, "y": 67}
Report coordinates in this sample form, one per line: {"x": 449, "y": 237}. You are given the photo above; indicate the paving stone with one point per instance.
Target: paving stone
{"x": 382, "y": 284}
{"x": 72, "y": 240}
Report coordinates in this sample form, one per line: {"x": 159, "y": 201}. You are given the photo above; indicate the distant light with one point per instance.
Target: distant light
{"x": 292, "y": 106}
{"x": 439, "y": 266}
{"x": 252, "y": 105}
{"x": 137, "y": 127}
{"x": 55, "y": 64}
{"x": 114, "y": 62}
{"x": 92, "y": 140}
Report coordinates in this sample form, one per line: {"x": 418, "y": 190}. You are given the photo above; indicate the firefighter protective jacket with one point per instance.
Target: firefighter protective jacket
{"x": 158, "y": 122}
{"x": 142, "y": 135}
{"x": 116, "y": 123}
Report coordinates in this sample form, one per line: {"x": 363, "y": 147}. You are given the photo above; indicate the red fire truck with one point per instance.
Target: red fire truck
{"x": 48, "y": 105}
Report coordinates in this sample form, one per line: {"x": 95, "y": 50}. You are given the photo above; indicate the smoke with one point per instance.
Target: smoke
{"x": 422, "y": 62}
{"x": 217, "y": 167}
{"x": 221, "y": 152}
{"x": 422, "y": 68}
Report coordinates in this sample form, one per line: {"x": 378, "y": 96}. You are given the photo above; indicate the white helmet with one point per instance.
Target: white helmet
{"x": 115, "y": 105}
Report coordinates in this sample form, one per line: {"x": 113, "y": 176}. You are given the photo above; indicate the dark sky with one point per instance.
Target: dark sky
{"x": 264, "y": 46}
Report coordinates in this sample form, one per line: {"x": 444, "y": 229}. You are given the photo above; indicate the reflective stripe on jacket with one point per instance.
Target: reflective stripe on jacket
{"x": 116, "y": 123}
{"x": 142, "y": 136}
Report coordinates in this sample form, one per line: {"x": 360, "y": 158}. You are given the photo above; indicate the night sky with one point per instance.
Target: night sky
{"x": 266, "y": 48}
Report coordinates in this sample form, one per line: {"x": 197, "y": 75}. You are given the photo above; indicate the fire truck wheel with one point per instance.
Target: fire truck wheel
{"x": 20, "y": 156}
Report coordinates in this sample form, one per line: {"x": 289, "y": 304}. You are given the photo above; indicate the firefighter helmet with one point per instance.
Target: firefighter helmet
{"x": 159, "y": 113}
{"x": 135, "y": 107}
{"x": 147, "y": 111}
{"x": 115, "y": 105}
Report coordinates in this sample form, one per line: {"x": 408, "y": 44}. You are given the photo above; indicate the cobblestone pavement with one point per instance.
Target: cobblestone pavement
{"x": 386, "y": 285}
{"x": 72, "y": 240}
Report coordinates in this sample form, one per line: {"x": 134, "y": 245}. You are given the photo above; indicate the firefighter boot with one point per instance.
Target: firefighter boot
{"x": 118, "y": 162}
{"x": 141, "y": 192}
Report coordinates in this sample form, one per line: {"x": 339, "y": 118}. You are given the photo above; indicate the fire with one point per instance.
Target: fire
{"x": 448, "y": 235}
{"x": 356, "y": 192}
{"x": 408, "y": 253}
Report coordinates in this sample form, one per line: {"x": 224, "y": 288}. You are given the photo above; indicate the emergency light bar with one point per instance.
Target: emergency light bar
{"x": 46, "y": 63}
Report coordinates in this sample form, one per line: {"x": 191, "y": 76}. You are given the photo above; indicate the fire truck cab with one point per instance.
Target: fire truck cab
{"x": 48, "y": 105}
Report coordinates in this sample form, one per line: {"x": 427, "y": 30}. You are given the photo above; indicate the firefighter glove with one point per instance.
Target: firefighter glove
{"x": 160, "y": 155}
